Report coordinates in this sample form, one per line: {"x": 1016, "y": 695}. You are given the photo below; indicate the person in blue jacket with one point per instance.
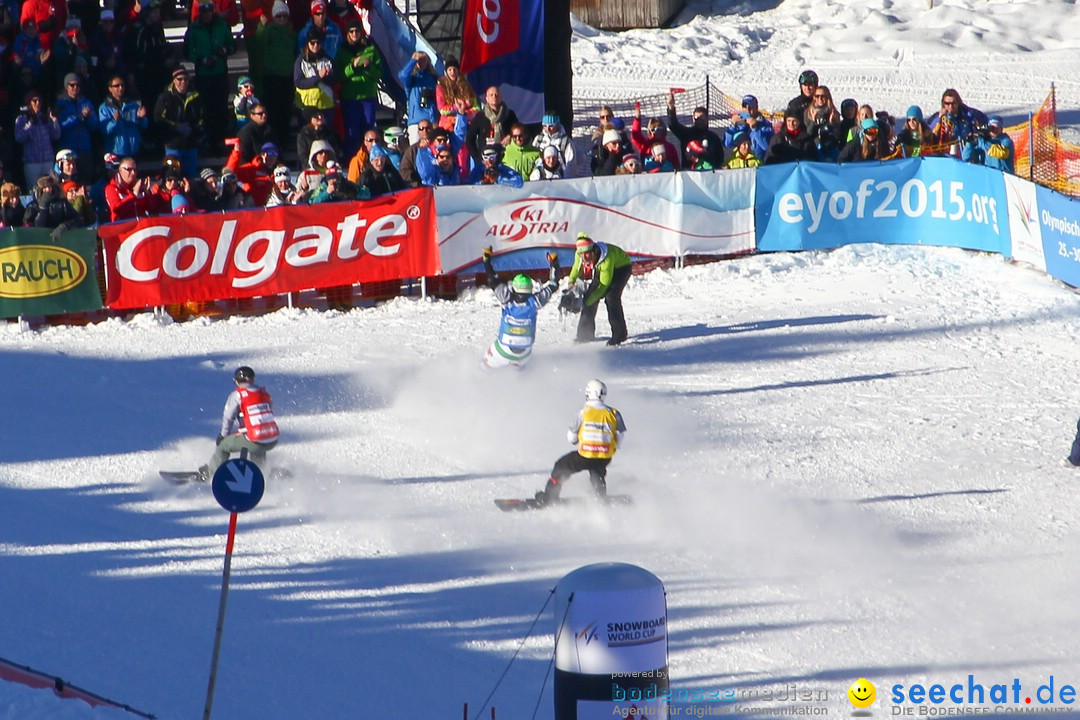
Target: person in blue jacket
{"x": 992, "y": 148}
{"x": 122, "y": 120}
{"x": 418, "y": 80}
{"x": 494, "y": 171}
{"x": 521, "y": 302}
{"x": 756, "y": 126}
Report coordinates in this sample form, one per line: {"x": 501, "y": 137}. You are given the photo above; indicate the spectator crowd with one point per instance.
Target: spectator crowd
{"x": 105, "y": 120}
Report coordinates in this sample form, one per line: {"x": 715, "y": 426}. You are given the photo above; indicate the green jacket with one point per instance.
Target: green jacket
{"x": 202, "y": 43}
{"x": 522, "y": 158}
{"x": 360, "y": 82}
{"x": 612, "y": 257}
{"x": 275, "y": 52}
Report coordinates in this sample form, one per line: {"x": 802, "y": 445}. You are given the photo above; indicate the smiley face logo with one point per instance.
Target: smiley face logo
{"x": 862, "y": 693}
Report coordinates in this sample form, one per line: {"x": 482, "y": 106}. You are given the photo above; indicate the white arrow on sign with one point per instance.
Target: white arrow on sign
{"x": 241, "y": 481}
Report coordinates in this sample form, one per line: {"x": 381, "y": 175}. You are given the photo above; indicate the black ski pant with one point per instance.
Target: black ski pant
{"x": 571, "y": 463}
{"x": 1074, "y": 453}
{"x": 586, "y": 329}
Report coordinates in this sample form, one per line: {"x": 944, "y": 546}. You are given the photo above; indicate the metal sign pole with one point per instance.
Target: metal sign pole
{"x": 221, "y": 617}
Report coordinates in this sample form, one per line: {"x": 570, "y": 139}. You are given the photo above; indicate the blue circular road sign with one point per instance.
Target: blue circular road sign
{"x": 238, "y": 485}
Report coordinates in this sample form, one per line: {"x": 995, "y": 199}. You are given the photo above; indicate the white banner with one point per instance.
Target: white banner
{"x": 659, "y": 215}
{"x": 1025, "y": 231}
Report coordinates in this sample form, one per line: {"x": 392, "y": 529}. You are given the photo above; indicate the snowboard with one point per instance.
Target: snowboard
{"x": 183, "y": 477}
{"x": 511, "y": 504}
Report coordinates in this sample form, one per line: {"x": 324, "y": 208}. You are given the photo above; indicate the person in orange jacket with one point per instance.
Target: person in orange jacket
{"x": 256, "y": 177}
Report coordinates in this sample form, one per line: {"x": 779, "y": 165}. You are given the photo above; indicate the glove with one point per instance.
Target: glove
{"x": 57, "y": 232}
{"x": 998, "y": 152}
{"x": 553, "y": 260}
{"x": 219, "y": 439}
{"x": 486, "y": 253}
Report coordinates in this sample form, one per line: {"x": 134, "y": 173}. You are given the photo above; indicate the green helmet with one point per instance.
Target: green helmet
{"x": 521, "y": 284}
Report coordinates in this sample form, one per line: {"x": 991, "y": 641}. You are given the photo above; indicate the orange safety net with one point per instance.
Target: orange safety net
{"x": 1041, "y": 155}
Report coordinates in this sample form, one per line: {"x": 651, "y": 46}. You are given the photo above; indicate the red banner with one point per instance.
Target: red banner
{"x": 491, "y": 29}
{"x": 217, "y": 256}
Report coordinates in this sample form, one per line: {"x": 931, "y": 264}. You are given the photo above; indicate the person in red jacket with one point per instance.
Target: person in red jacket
{"x": 48, "y": 16}
{"x": 250, "y": 407}
{"x": 129, "y": 196}
{"x": 256, "y": 177}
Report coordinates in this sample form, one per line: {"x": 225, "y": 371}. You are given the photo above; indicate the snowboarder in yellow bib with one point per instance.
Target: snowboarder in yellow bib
{"x": 597, "y": 432}
{"x": 607, "y": 267}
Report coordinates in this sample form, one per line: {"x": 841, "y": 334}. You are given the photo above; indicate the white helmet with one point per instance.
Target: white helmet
{"x": 595, "y": 390}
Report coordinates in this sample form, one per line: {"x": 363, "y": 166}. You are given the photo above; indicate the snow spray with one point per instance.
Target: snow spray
{"x": 610, "y": 643}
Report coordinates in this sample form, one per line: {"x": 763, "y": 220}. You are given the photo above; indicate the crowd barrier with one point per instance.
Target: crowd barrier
{"x": 439, "y": 233}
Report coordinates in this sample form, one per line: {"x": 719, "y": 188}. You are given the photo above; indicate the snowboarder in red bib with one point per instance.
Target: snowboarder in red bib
{"x": 597, "y": 432}
{"x": 250, "y": 407}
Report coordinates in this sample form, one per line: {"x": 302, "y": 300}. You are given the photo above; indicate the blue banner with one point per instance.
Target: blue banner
{"x": 1059, "y": 221}
{"x": 916, "y": 201}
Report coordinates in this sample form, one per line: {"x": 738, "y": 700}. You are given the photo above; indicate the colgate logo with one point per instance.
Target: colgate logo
{"x": 255, "y": 257}
{"x": 490, "y": 10}
{"x": 526, "y": 220}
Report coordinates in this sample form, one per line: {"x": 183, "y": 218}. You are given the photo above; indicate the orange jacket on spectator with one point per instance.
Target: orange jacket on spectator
{"x": 356, "y": 165}
{"x": 254, "y": 177}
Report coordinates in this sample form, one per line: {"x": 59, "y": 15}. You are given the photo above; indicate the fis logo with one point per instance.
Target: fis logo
{"x": 588, "y": 633}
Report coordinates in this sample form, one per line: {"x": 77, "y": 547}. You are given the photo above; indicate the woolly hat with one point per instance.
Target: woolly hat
{"x": 179, "y": 204}
{"x": 208, "y": 173}
{"x": 281, "y": 171}
{"x": 995, "y": 121}
{"x": 244, "y": 80}
{"x": 107, "y": 15}
{"x": 180, "y": 71}
{"x": 619, "y": 124}
{"x": 280, "y": 8}
{"x": 72, "y": 78}
{"x": 658, "y": 149}
{"x": 550, "y": 119}
{"x": 551, "y": 150}
{"x": 749, "y": 101}
{"x": 739, "y": 138}
{"x": 914, "y": 112}
{"x": 69, "y": 185}
{"x": 584, "y": 243}
{"x": 694, "y": 147}
{"x": 112, "y": 161}
{"x": 269, "y": 149}
{"x": 630, "y": 157}
{"x": 451, "y": 61}
{"x": 611, "y": 136}
{"x": 228, "y": 175}
{"x": 377, "y": 151}
{"x": 318, "y": 5}
{"x": 868, "y": 124}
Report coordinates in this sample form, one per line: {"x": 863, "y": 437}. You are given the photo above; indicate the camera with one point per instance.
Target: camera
{"x": 426, "y": 96}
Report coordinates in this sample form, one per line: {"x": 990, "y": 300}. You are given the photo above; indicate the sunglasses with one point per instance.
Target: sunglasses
{"x": 491, "y": 156}
{"x": 948, "y": 103}
{"x": 117, "y": 85}
{"x": 605, "y": 117}
{"x": 820, "y": 96}
{"x": 370, "y": 140}
{"x": 127, "y": 169}
{"x": 423, "y": 128}
{"x": 257, "y": 113}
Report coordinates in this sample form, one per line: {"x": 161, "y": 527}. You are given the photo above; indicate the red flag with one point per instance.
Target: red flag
{"x": 492, "y": 28}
